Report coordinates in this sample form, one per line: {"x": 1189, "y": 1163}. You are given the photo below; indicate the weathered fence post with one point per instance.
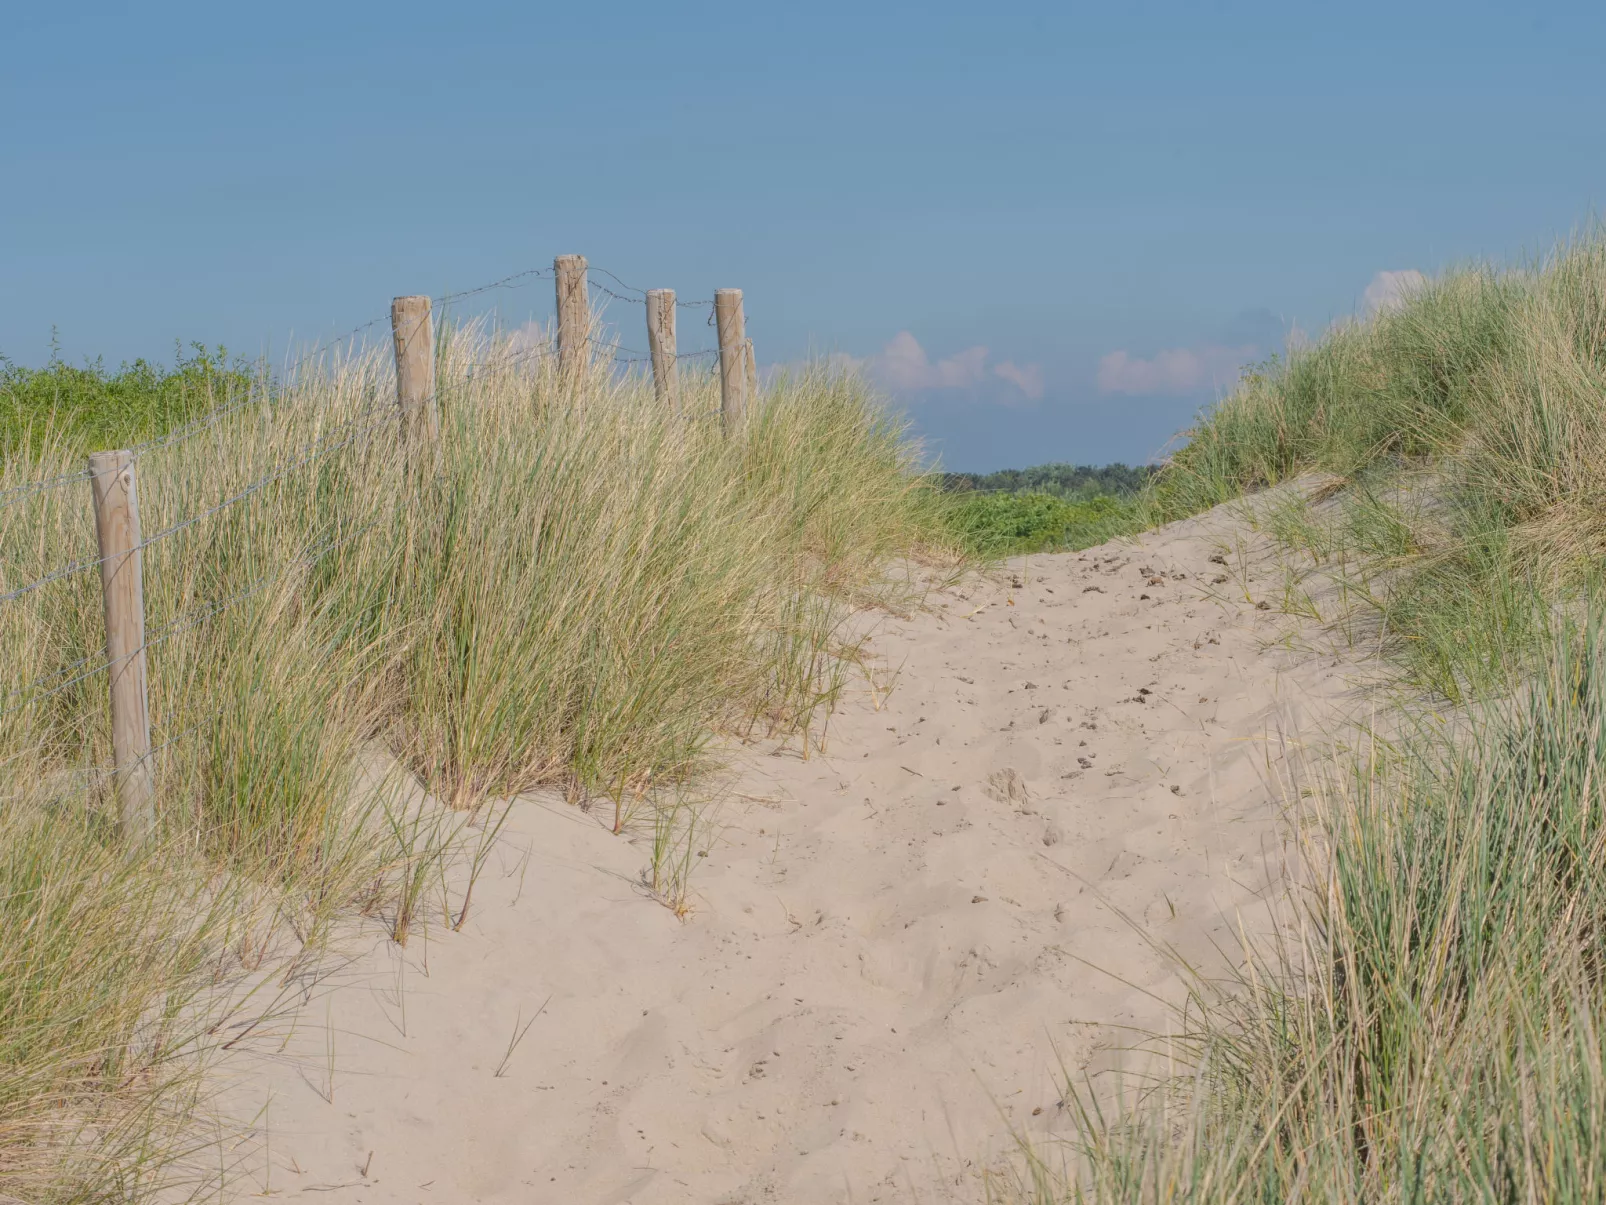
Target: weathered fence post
{"x": 661, "y": 344}
{"x": 574, "y": 311}
{"x": 733, "y": 356}
{"x": 123, "y": 589}
{"x": 413, "y": 331}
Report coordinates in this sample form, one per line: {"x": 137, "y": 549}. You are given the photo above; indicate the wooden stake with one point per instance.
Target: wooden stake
{"x": 413, "y": 332}
{"x": 574, "y": 311}
{"x": 661, "y": 343}
{"x": 123, "y": 589}
{"x": 733, "y": 356}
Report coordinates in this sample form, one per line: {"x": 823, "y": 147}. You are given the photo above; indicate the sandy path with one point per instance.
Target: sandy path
{"x": 886, "y": 950}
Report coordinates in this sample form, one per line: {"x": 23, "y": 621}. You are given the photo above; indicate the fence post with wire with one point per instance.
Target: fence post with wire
{"x": 734, "y": 354}
{"x": 116, "y": 500}
{"x": 413, "y": 332}
{"x": 115, "y": 497}
{"x": 661, "y": 344}
{"x": 574, "y": 311}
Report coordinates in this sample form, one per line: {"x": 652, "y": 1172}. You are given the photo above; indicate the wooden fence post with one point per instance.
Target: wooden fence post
{"x": 123, "y": 588}
{"x": 733, "y": 356}
{"x": 661, "y": 344}
{"x": 413, "y": 331}
{"x": 574, "y": 311}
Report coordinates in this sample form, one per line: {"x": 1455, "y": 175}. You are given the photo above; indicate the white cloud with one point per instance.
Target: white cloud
{"x": 1389, "y": 290}
{"x": 903, "y": 364}
{"x": 1027, "y": 378}
{"x": 532, "y": 336}
{"x": 1177, "y": 370}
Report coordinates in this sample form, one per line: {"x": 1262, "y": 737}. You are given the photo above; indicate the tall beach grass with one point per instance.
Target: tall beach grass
{"x": 579, "y": 588}
{"x": 1430, "y": 1023}
{"x": 1462, "y": 440}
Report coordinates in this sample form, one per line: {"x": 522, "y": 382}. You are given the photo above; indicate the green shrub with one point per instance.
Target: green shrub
{"x": 1073, "y": 482}
{"x": 998, "y": 524}
{"x": 89, "y": 408}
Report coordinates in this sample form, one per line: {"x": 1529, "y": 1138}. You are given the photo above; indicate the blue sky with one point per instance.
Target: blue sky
{"x": 1050, "y": 230}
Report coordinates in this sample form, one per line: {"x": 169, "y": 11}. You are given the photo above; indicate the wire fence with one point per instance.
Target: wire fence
{"x": 37, "y": 691}
{"x": 92, "y": 777}
{"x": 315, "y": 451}
{"x": 267, "y": 391}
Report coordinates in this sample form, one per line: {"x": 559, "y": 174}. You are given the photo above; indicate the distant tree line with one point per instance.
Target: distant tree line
{"x": 1070, "y": 481}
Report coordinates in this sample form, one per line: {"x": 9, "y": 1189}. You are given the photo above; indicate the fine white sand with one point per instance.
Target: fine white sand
{"x": 892, "y": 947}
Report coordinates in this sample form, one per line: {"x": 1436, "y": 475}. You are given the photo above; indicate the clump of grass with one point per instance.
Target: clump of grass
{"x": 1429, "y": 1025}
{"x": 1432, "y": 1027}
{"x": 106, "y": 959}
{"x": 580, "y": 588}
{"x": 1483, "y": 391}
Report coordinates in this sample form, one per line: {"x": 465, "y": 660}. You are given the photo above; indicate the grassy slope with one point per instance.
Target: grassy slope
{"x": 1433, "y": 1030}
{"x": 584, "y": 589}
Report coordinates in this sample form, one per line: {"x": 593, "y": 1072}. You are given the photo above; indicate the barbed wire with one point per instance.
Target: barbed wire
{"x": 529, "y": 275}
{"x": 508, "y": 361}
{"x": 315, "y": 451}
{"x": 269, "y": 391}
{"x": 194, "y": 619}
{"x": 189, "y": 430}
{"x": 213, "y": 417}
{"x": 603, "y": 289}
{"x": 17, "y": 492}
{"x": 685, "y": 305}
{"x": 93, "y": 776}
{"x": 646, "y": 358}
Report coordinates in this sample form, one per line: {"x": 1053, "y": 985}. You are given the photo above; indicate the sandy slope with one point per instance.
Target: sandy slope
{"x": 889, "y": 944}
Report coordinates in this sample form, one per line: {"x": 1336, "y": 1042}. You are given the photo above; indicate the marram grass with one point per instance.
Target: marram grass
{"x": 579, "y": 587}
{"x": 1430, "y": 1025}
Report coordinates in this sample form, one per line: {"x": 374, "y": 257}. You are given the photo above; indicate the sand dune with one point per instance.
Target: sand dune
{"x": 890, "y": 946}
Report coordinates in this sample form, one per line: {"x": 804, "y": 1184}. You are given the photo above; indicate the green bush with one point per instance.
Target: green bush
{"x": 1073, "y": 482}
{"x": 997, "y": 524}
{"x": 89, "y": 408}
